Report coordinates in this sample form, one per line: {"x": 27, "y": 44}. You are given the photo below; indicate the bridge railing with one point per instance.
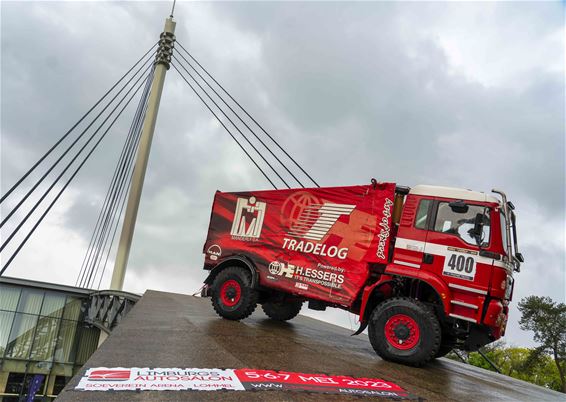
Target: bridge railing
{"x": 107, "y": 308}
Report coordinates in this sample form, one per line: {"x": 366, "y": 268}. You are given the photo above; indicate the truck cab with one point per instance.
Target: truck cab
{"x": 458, "y": 243}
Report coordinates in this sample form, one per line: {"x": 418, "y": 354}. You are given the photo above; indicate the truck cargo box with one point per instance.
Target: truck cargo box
{"x": 314, "y": 242}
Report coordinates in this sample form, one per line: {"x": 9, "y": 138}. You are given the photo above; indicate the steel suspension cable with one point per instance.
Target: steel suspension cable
{"x": 123, "y": 197}
{"x": 247, "y": 114}
{"x": 66, "y": 184}
{"x": 225, "y": 128}
{"x": 111, "y": 188}
{"x": 104, "y": 236}
{"x": 36, "y": 164}
{"x": 123, "y": 159}
{"x": 20, "y": 203}
{"x": 5, "y": 243}
{"x": 241, "y": 120}
{"x": 232, "y": 122}
{"x": 116, "y": 226}
{"x": 135, "y": 130}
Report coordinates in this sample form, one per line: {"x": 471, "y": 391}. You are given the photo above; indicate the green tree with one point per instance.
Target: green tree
{"x": 547, "y": 319}
{"x": 521, "y": 363}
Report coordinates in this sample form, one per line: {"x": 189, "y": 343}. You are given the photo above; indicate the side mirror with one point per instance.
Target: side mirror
{"x": 458, "y": 207}
{"x": 520, "y": 257}
{"x": 477, "y": 231}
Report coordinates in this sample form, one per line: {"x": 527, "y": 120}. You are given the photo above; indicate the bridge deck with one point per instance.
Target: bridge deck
{"x": 173, "y": 330}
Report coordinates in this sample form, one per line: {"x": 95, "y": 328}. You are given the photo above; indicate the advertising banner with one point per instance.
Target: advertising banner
{"x": 135, "y": 378}
{"x": 322, "y": 383}
{"x": 199, "y": 379}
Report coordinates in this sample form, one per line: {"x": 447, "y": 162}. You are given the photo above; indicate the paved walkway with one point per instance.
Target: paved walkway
{"x": 172, "y": 330}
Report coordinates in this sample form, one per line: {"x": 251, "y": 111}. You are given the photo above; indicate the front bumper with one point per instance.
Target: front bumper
{"x": 496, "y": 318}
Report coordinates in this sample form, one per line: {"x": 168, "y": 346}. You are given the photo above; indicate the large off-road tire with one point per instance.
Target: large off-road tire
{"x": 282, "y": 310}
{"x": 404, "y": 330}
{"x": 233, "y": 297}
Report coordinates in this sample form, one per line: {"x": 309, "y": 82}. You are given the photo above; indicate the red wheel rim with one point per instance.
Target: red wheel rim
{"x": 402, "y": 332}
{"x": 230, "y": 293}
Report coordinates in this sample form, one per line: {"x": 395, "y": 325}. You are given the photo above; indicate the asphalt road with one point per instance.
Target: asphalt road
{"x": 172, "y": 330}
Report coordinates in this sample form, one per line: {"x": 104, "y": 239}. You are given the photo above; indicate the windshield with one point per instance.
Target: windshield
{"x": 461, "y": 224}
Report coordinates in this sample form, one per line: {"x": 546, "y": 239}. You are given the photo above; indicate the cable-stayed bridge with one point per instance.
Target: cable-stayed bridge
{"x": 30, "y": 199}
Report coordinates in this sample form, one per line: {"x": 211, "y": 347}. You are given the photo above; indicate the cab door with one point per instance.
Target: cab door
{"x": 454, "y": 255}
{"x": 412, "y": 235}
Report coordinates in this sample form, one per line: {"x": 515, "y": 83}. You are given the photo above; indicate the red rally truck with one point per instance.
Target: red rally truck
{"x": 427, "y": 269}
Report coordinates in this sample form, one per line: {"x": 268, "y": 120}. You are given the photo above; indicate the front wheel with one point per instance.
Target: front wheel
{"x": 233, "y": 297}
{"x": 406, "y": 331}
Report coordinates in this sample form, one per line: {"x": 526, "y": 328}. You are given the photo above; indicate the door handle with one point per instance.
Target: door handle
{"x": 428, "y": 258}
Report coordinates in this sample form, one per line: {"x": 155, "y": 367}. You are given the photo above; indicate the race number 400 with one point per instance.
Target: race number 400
{"x": 460, "y": 266}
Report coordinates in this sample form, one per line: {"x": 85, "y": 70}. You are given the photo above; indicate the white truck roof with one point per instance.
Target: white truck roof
{"x": 452, "y": 192}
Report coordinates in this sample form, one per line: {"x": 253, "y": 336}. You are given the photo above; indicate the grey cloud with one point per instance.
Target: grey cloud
{"x": 353, "y": 90}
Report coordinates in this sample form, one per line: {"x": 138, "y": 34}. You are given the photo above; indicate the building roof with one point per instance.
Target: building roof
{"x": 453, "y": 192}
{"x": 44, "y": 285}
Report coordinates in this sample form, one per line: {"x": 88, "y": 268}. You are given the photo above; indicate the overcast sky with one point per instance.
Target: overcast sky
{"x": 459, "y": 94}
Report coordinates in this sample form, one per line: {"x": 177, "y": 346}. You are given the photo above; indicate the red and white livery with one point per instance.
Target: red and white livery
{"x": 427, "y": 269}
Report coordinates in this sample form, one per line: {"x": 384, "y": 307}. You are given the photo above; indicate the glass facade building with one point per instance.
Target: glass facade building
{"x": 44, "y": 339}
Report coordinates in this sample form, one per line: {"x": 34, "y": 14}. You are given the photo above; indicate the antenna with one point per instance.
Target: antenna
{"x": 173, "y": 8}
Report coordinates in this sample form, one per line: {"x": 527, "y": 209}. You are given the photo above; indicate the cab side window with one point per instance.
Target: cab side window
{"x": 462, "y": 224}
{"x": 422, "y": 214}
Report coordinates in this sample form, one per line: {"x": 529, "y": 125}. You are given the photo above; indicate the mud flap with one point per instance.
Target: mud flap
{"x": 205, "y": 291}
{"x": 363, "y": 326}
{"x": 478, "y": 337}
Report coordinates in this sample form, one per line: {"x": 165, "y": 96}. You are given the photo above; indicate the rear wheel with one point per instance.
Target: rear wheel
{"x": 233, "y": 297}
{"x": 282, "y": 310}
{"x": 405, "y": 331}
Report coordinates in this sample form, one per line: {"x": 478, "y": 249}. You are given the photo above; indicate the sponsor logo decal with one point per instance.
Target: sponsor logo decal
{"x": 275, "y": 268}
{"x": 215, "y": 251}
{"x": 294, "y": 205}
{"x": 321, "y": 275}
{"x": 315, "y": 248}
{"x": 316, "y": 220}
{"x": 157, "y": 379}
{"x": 201, "y": 379}
{"x": 309, "y": 221}
{"x": 385, "y": 225}
{"x": 282, "y": 269}
{"x": 248, "y": 219}
{"x": 462, "y": 250}
{"x": 302, "y": 286}
{"x": 109, "y": 375}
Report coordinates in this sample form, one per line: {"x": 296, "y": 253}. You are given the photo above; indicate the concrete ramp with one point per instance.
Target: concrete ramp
{"x": 173, "y": 330}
